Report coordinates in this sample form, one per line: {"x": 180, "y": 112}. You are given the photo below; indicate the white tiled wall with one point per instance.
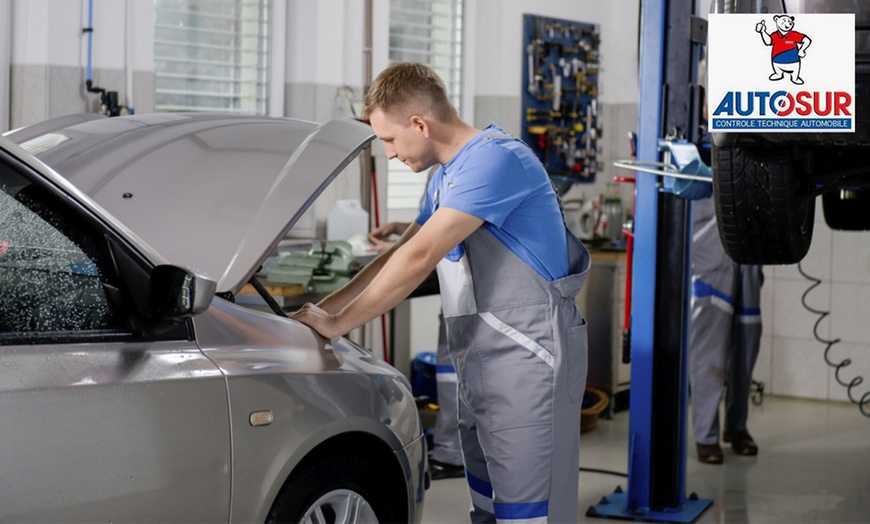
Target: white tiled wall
{"x": 797, "y": 368}
{"x": 793, "y": 360}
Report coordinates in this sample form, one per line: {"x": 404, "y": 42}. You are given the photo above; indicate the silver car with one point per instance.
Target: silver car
{"x": 132, "y": 387}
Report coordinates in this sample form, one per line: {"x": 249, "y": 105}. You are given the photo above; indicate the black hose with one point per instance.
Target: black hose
{"x": 603, "y": 471}
{"x": 864, "y": 401}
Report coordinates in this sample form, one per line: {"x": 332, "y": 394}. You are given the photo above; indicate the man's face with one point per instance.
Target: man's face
{"x": 406, "y": 141}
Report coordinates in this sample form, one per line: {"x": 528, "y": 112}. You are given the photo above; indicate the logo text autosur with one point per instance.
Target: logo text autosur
{"x": 784, "y": 103}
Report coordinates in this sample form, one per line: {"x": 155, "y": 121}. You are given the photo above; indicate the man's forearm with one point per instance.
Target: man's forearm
{"x": 341, "y": 298}
{"x": 399, "y": 276}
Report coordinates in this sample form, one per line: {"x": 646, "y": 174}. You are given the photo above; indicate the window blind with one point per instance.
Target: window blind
{"x": 428, "y": 31}
{"x": 212, "y": 55}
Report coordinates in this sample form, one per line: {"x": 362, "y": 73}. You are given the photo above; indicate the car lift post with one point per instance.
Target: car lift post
{"x": 670, "y": 104}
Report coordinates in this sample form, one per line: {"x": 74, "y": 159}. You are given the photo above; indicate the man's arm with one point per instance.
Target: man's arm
{"x": 340, "y": 298}
{"x": 410, "y": 262}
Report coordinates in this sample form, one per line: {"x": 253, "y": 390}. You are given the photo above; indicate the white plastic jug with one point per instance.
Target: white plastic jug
{"x": 346, "y": 219}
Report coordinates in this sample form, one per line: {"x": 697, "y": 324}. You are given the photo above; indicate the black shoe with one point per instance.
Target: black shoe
{"x": 710, "y": 453}
{"x": 441, "y": 470}
{"x": 741, "y": 443}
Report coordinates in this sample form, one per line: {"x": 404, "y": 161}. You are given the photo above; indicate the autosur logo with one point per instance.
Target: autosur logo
{"x": 788, "y": 47}
{"x": 781, "y": 73}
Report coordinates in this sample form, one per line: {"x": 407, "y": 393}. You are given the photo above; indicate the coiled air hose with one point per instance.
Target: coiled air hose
{"x": 863, "y": 402}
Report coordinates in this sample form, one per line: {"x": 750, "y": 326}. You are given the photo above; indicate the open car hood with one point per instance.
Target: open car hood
{"x": 213, "y": 192}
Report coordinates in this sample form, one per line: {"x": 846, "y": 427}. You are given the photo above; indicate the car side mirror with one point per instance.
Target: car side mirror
{"x": 176, "y": 293}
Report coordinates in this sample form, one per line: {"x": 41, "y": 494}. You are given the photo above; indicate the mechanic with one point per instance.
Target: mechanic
{"x": 509, "y": 271}
{"x": 724, "y": 338}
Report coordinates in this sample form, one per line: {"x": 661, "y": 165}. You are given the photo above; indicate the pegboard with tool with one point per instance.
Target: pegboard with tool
{"x": 560, "y": 96}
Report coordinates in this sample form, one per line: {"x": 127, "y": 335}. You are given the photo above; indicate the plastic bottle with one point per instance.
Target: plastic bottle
{"x": 346, "y": 220}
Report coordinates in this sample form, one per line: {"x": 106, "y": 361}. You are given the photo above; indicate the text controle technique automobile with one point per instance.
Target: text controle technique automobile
{"x": 132, "y": 387}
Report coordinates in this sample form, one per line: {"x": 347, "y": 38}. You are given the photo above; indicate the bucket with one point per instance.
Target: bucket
{"x": 423, "y": 381}
{"x": 594, "y": 402}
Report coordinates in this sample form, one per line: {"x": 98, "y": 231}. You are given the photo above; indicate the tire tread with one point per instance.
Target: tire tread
{"x": 763, "y": 216}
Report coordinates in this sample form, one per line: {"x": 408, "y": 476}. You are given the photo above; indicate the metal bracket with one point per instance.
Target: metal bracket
{"x": 666, "y": 169}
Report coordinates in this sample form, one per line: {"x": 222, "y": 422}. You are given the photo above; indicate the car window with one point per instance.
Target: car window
{"x": 54, "y": 274}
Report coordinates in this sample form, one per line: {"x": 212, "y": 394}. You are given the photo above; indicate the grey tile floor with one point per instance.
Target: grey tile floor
{"x": 813, "y": 466}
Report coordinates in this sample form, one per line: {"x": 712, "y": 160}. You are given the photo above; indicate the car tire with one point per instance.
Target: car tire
{"x": 847, "y": 214}
{"x": 334, "y": 489}
{"x": 764, "y": 213}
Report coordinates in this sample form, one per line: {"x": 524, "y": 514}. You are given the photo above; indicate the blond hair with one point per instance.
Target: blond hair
{"x": 406, "y": 88}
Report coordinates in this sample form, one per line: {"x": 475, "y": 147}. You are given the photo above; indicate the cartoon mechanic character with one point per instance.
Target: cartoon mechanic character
{"x": 788, "y": 48}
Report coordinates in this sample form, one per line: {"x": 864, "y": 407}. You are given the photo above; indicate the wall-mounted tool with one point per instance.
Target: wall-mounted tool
{"x": 560, "y": 90}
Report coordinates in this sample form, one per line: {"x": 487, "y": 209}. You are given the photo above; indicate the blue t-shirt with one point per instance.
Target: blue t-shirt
{"x": 502, "y": 182}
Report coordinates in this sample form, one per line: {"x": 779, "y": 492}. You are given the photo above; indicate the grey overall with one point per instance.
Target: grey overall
{"x": 518, "y": 344}
{"x": 725, "y": 329}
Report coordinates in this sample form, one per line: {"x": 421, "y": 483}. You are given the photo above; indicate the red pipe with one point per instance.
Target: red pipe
{"x": 629, "y": 255}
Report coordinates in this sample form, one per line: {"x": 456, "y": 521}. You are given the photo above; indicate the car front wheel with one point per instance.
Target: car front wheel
{"x": 764, "y": 213}
{"x": 339, "y": 505}
{"x": 335, "y": 489}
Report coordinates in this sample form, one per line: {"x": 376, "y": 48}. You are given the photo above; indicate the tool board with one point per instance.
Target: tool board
{"x": 560, "y": 96}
